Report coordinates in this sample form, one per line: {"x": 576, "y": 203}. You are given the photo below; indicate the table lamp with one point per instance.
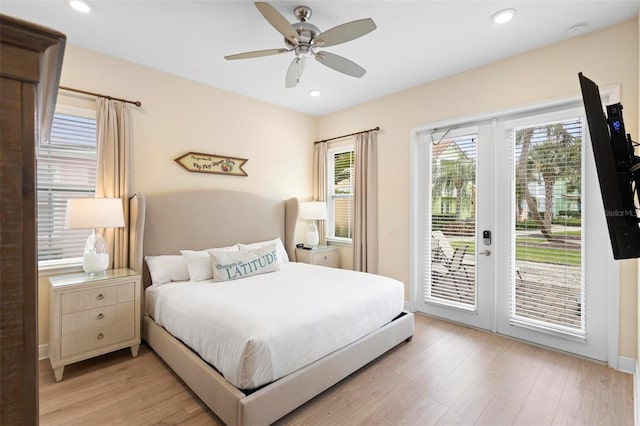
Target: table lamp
{"x": 93, "y": 213}
{"x": 313, "y": 210}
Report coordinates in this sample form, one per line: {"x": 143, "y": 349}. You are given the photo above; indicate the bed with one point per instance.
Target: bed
{"x": 164, "y": 224}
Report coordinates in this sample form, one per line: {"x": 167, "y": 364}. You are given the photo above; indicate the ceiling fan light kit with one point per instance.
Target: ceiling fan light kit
{"x": 304, "y": 39}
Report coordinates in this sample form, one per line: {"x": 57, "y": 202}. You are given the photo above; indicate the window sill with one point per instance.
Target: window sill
{"x": 339, "y": 242}
{"x": 55, "y": 267}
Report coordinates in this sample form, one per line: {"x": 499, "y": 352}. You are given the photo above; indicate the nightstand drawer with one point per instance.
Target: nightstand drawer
{"x": 96, "y": 297}
{"x": 325, "y": 258}
{"x": 322, "y": 256}
{"x": 95, "y": 318}
{"x": 88, "y": 340}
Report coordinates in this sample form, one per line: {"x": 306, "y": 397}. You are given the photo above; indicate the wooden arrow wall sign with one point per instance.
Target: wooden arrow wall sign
{"x": 211, "y": 163}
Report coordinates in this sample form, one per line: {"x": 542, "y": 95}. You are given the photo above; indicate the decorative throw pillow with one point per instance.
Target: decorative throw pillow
{"x": 167, "y": 268}
{"x": 199, "y": 263}
{"x": 282, "y": 253}
{"x": 233, "y": 265}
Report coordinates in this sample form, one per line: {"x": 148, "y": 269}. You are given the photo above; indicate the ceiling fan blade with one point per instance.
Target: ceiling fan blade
{"x": 255, "y": 54}
{"x": 294, "y": 73}
{"x": 278, "y": 21}
{"x": 345, "y": 32}
{"x": 340, "y": 64}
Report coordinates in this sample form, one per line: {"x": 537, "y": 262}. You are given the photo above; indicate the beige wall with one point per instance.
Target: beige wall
{"x": 608, "y": 57}
{"x": 178, "y": 116}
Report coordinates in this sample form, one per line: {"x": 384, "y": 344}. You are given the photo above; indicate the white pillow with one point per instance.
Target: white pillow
{"x": 233, "y": 265}
{"x": 199, "y": 262}
{"x": 167, "y": 268}
{"x": 282, "y": 253}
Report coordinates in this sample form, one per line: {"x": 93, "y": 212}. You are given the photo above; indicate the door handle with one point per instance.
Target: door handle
{"x": 486, "y": 252}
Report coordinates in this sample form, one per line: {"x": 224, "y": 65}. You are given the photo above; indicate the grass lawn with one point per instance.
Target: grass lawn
{"x": 533, "y": 254}
{"x": 576, "y": 232}
{"x": 470, "y": 250}
{"x": 548, "y": 255}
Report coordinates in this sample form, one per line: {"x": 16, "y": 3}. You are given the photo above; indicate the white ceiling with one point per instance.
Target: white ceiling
{"x": 415, "y": 42}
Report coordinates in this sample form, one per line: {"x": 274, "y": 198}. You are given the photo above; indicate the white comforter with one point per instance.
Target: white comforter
{"x": 257, "y": 329}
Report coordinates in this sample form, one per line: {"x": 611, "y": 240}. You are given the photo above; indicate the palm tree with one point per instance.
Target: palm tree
{"x": 463, "y": 181}
{"x": 454, "y": 171}
{"x": 524, "y": 176}
{"x": 557, "y": 155}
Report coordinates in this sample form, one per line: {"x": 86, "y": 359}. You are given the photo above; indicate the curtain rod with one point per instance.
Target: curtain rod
{"x": 136, "y": 103}
{"x": 375, "y": 129}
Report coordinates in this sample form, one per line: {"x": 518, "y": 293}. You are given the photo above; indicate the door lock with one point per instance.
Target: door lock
{"x": 486, "y": 238}
{"x": 486, "y": 252}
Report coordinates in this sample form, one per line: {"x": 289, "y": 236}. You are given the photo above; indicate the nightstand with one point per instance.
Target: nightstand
{"x": 90, "y": 315}
{"x": 322, "y": 255}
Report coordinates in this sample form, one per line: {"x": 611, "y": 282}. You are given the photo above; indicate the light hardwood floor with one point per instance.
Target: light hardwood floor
{"x": 448, "y": 374}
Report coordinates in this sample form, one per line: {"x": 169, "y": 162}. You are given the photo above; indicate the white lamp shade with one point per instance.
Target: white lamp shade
{"x": 313, "y": 210}
{"x": 84, "y": 213}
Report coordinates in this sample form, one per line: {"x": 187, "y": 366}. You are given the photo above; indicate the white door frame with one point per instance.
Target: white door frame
{"x": 611, "y": 94}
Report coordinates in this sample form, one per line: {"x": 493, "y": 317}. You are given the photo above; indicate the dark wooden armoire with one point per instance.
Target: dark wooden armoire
{"x": 30, "y": 65}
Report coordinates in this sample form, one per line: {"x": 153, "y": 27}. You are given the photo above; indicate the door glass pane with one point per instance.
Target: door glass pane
{"x": 548, "y": 286}
{"x": 451, "y": 243}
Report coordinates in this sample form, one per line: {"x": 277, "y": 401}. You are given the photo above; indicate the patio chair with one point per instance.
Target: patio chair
{"x": 452, "y": 271}
{"x": 442, "y": 250}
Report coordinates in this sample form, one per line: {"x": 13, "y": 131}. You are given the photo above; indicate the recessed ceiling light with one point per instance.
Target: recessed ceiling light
{"x": 80, "y": 6}
{"x": 503, "y": 16}
{"x": 577, "y": 30}
{"x": 314, "y": 93}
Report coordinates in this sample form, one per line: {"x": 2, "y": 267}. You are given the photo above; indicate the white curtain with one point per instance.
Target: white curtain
{"x": 365, "y": 221}
{"x": 320, "y": 183}
{"x": 113, "y": 134}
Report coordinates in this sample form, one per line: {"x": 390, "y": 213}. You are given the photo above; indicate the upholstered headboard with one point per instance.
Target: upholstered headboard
{"x": 197, "y": 220}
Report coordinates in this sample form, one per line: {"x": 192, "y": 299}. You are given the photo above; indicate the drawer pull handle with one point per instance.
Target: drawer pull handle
{"x": 100, "y": 336}
{"x": 100, "y": 316}
{"x": 325, "y": 258}
{"x": 100, "y": 296}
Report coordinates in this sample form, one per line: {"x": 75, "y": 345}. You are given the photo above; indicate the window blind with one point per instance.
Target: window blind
{"x": 66, "y": 168}
{"x": 548, "y": 283}
{"x": 451, "y": 245}
{"x": 341, "y": 187}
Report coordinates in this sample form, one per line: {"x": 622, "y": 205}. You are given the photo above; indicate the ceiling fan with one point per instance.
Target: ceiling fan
{"x": 304, "y": 39}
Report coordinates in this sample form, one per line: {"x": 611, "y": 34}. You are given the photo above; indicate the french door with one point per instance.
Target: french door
{"x": 553, "y": 290}
{"x": 457, "y": 197}
{"x": 505, "y": 208}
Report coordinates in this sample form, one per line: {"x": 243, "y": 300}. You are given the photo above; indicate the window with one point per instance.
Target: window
{"x": 66, "y": 168}
{"x": 340, "y": 194}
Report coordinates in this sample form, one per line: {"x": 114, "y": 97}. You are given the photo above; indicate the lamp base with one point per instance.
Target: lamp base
{"x": 313, "y": 238}
{"x": 95, "y": 263}
{"x": 96, "y": 256}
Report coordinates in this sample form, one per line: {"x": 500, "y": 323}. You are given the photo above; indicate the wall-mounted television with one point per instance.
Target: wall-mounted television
{"x": 618, "y": 171}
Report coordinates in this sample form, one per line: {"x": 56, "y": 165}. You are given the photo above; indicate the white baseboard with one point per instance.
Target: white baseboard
{"x": 626, "y": 365}
{"x": 43, "y": 351}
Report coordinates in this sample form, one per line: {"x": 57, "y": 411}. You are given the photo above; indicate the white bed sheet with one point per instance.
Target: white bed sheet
{"x": 257, "y": 329}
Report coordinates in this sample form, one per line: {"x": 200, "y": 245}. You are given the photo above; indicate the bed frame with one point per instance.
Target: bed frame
{"x": 166, "y": 223}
